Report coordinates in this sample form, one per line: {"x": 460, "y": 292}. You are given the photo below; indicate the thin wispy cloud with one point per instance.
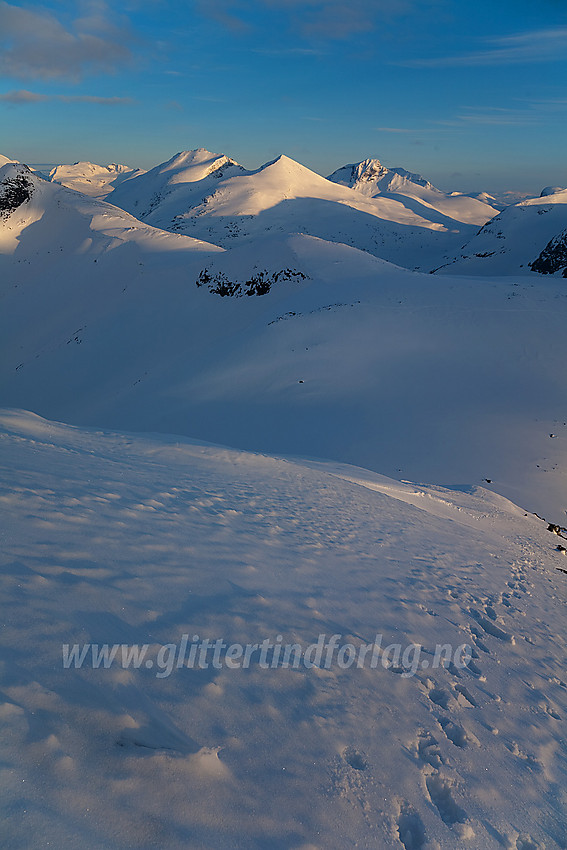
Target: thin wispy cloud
{"x": 496, "y": 115}
{"x": 35, "y": 44}
{"x": 405, "y": 130}
{"x": 289, "y": 51}
{"x": 536, "y": 46}
{"x": 325, "y": 19}
{"x": 24, "y": 97}
{"x": 503, "y": 116}
{"x": 89, "y": 98}
{"x": 548, "y": 104}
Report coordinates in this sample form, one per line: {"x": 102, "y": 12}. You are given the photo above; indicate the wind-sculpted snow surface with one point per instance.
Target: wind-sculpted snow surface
{"x": 123, "y": 554}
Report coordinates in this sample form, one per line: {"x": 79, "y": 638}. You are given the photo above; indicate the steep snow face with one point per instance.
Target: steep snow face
{"x": 513, "y": 241}
{"x": 97, "y": 181}
{"x": 213, "y": 198}
{"x": 374, "y": 180}
{"x": 292, "y": 345}
{"x": 389, "y": 736}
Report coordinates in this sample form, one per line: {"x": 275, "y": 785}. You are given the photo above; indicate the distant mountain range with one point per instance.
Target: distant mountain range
{"x": 214, "y": 198}
{"x": 391, "y": 213}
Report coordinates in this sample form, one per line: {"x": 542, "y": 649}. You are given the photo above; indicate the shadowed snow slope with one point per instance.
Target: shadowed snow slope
{"x": 134, "y": 542}
{"x": 512, "y": 241}
{"x": 344, "y": 356}
{"x": 212, "y": 197}
{"x": 97, "y": 181}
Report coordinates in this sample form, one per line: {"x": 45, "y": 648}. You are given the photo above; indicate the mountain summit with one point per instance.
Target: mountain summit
{"x": 96, "y": 181}
{"x": 372, "y": 178}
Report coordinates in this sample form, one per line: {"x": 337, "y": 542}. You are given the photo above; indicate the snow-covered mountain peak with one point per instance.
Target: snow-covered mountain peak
{"x": 16, "y": 188}
{"x": 412, "y": 177}
{"x": 556, "y": 196}
{"x": 83, "y": 168}
{"x": 92, "y": 179}
{"x": 372, "y": 178}
{"x": 551, "y": 190}
{"x": 283, "y": 163}
{"x": 11, "y": 167}
{"x": 16, "y": 171}
{"x": 4, "y": 160}
{"x": 367, "y": 170}
{"x": 358, "y": 174}
{"x": 191, "y": 166}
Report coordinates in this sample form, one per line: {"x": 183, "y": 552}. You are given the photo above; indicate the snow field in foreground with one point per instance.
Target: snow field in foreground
{"x": 114, "y": 538}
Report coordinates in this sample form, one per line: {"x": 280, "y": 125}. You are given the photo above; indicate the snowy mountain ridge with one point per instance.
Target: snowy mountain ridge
{"x": 211, "y": 197}
{"x": 97, "y": 181}
{"x": 71, "y": 223}
{"x": 514, "y": 240}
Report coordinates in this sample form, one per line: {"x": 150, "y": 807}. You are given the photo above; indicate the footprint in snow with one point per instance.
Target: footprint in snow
{"x": 440, "y": 791}
{"x": 427, "y": 749}
{"x": 410, "y": 827}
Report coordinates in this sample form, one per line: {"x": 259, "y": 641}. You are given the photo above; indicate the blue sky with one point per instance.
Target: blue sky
{"x": 471, "y": 94}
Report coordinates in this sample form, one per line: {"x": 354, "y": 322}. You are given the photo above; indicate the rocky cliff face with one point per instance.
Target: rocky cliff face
{"x": 15, "y": 189}
{"x": 553, "y": 258}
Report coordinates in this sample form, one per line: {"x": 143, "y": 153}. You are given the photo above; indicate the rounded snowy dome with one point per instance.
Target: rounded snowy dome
{"x": 551, "y": 190}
